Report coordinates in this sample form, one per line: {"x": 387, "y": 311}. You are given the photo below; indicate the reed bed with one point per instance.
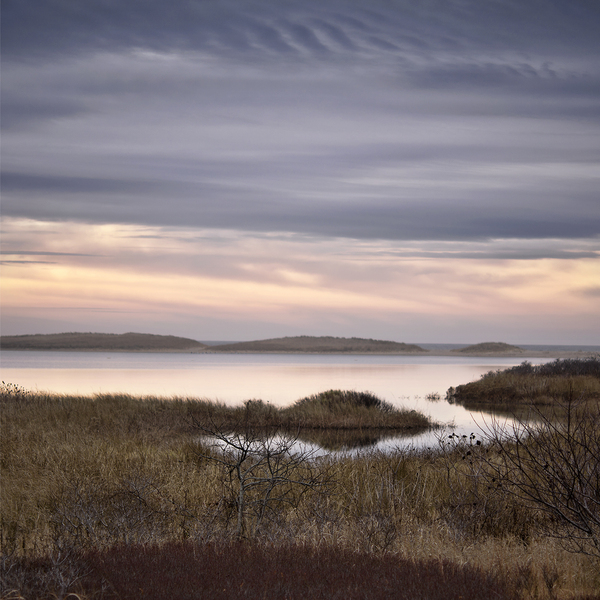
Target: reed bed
{"x": 526, "y": 386}
{"x": 96, "y": 487}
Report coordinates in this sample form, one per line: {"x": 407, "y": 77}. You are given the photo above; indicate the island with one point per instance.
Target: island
{"x": 495, "y": 348}
{"x": 321, "y": 345}
{"x": 106, "y": 342}
{"x": 303, "y": 344}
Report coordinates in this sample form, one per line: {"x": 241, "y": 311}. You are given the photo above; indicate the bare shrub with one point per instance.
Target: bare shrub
{"x": 55, "y": 576}
{"x": 553, "y": 466}
{"x": 472, "y": 503}
{"x": 11, "y": 392}
{"x": 264, "y": 470}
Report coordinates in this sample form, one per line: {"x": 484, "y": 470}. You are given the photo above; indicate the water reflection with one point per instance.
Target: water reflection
{"x": 352, "y": 440}
{"x": 350, "y": 443}
{"x": 404, "y": 381}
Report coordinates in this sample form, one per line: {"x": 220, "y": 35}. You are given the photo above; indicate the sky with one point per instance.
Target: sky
{"x": 417, "y": 171}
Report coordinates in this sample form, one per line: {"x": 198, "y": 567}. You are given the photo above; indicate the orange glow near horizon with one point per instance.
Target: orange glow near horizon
{"x": 115, "y": 268}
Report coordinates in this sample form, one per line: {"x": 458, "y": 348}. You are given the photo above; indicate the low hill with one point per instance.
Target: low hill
{"x": 327, "y": 344}
{"x": 108, "y": 342}
{"x": 489, "y": 348}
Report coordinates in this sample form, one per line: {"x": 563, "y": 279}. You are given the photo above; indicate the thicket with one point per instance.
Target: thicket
{"x": 553, "y": 465}
{"x": 112, "y": 491}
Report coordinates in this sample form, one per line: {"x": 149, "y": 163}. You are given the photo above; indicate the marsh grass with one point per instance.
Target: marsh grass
{"x": 342, "y": 419}
{"x": 93, "y": 488}
{"x": 330, "y": 410}
{"x": 518, "y": 389}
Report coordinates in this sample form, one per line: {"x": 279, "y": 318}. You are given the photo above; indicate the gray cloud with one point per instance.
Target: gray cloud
{"x": 52, "y": 184}
{"x": 27, "y": 262}
{"x": 250, "y": 208}
{"x": 21, "y": 112}
{"x": 42, "y": 28}
{"x": 447, "y": 120}
{"x": 594, "y": 292}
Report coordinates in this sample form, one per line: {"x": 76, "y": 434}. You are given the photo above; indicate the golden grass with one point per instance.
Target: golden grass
{"x": 542, "y": 387}
{"x": 92, "y": 472}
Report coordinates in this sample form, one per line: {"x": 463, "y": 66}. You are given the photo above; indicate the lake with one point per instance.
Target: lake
{"x": 280, "y": 379}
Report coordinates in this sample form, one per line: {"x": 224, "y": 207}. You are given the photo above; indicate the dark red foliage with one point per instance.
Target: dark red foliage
{"x": 185, "y": 571}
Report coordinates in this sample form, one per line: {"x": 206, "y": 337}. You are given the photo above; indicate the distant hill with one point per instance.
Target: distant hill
{"x": 134, "y": 342}
{"x": 306, "y": 343}
{"x": 489, "y": 348}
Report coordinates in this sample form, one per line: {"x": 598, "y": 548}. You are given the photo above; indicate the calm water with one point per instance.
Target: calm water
{"x": 279, "y": 379}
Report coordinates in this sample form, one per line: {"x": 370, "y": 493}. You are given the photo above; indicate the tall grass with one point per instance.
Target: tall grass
{"x": 96, "y": 487}
{"x": 527, "y": 385}
{"x": 343, "y": 409}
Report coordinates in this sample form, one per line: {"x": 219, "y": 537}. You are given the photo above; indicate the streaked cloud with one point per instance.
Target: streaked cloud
{"x": 310, "y": 165}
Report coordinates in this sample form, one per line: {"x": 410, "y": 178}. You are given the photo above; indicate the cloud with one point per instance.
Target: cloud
{"x": 178, "y": 274}
{"x": 18, "y": 113}
{"x": 594, "y": 292}
{"x": 336, "y": 145}
{"x": 33, "y": 253}
{"x": 398, "y": 210}
{"x": 12, "y": 182}
{"x": 46, "y": 26}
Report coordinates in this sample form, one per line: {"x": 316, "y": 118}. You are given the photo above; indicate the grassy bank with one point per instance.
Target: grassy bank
{"x": 95, "y": 488}
{"x": 527, "y": 386}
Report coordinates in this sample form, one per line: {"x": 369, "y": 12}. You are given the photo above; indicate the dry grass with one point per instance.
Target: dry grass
{"x": 519, "y": 388}
{"x": 288, "y": 571}
{"x": 83, "y": 477}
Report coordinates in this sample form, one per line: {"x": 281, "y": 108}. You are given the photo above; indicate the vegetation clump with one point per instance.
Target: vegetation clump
{"x": 525, "y": 385}
{"x": 348, "y": 409}
{"x": 337, "y": 401}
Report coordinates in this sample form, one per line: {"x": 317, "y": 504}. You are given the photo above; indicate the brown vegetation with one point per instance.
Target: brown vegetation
{"x": 232, "y": 571}
{"x": 518, "y": 388}
{"x": 336, "y": 410}
{"x": 553, "y": 465}
{"x": 115, "y": 496}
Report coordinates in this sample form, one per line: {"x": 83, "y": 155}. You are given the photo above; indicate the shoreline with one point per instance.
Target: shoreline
{"x": 560, "y": 354}
{"x": 295, "y": 345}
{"x": 525, "y": 354}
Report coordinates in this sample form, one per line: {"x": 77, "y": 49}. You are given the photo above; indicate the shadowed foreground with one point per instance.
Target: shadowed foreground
{"x": 186, "y": 571}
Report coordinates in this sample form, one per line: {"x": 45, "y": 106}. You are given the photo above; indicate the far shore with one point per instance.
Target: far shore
{"x": 300, "y": 345}
{"x": 525, "y": 354}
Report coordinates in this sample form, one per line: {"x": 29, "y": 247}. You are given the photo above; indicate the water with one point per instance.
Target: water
{"x": 280, "y": 379}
